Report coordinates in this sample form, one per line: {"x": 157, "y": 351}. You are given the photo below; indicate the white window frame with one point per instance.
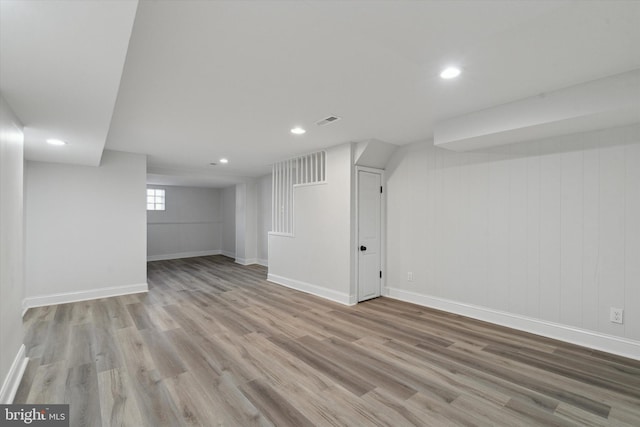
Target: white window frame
{"x": 155, "y": 195}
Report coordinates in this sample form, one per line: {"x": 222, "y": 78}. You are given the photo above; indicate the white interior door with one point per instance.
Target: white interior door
{"x": 369, "y": 234}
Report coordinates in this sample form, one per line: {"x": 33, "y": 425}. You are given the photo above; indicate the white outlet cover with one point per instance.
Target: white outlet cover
{"x": 616, "y": 315}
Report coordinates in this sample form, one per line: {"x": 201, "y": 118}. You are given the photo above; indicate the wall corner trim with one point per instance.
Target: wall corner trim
{"x": 595, "y": 340}
{"x": 13, "y": 378}
{"x": 180, "y": 255}
{"x": 228, "y": 254}
{"x": 67, "y": 297}
{"x": 316, "y": 290}
{"x": 247, "y": 261}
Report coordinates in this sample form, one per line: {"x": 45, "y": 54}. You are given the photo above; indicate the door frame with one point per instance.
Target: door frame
{"x": 383, "y": 228}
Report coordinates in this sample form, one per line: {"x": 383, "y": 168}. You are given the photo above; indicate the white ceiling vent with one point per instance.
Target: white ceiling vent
{"x": 328, "y": 120}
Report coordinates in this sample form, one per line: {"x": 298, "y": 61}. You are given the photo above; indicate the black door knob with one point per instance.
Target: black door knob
{"x": 363, "y": 248}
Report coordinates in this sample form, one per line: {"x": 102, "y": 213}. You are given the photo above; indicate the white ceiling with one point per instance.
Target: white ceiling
{"x": 60, "y": 68}
{"x": 204, "y": 80}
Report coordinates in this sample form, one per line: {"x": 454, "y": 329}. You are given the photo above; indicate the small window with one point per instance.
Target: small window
{"x": 155, "y": 199}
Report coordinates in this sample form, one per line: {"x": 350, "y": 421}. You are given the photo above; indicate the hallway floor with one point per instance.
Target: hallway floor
{"x": 214, "y": 344}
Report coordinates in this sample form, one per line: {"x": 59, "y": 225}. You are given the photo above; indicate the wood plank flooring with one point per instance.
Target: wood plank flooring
{"x": 214, "y": 344}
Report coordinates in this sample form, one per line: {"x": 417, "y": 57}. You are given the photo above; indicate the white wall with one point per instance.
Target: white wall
{"x": 546, "y": 230}
{"x": 247, "y": 223}
{"x": 264, "y": 218}
{"x": 228, "y": 195}
{"x": 85, "y": 228}
{"x": 191, "y": 224}
{"x": 319, "y": 258}
{"x": 11, "y": 252}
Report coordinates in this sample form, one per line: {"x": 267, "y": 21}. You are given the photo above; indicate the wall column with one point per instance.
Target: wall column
{"x": 247, "y": 223}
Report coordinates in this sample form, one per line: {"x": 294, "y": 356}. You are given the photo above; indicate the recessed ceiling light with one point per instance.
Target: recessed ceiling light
{"x": 450, "y": 73}
{"x": 57, "y": 142}
{"x": 297, "y": 131}
{"x": 224, "y": 160}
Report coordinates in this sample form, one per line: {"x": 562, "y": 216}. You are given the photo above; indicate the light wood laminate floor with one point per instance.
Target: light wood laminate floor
{"x": 214, "y": 344}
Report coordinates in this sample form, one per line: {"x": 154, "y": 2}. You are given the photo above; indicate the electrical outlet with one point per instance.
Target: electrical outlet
{"x": 616, "y": 315}
{"x": 410, "y": 276}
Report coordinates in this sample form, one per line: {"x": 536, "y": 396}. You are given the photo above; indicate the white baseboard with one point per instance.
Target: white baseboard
{"x": 13, "y": 378}
{"x": 608, "y": 343}
{"x": 67, "y": 297}
{"x": 183, "y": 255}
{"x": 250, "y": 261}
{"x": 228, "y": 254}
{"x": 319, "y": 291}
{"x": 246, "y": 261}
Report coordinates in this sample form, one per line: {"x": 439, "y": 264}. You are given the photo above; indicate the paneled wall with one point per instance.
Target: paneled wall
{"x": 191, "y": 224}
{"x": 264, "y": 218}
{"x": 547, "y": 230}
{"x": 12, "y": 359}
{"x": 228, "y": 197}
